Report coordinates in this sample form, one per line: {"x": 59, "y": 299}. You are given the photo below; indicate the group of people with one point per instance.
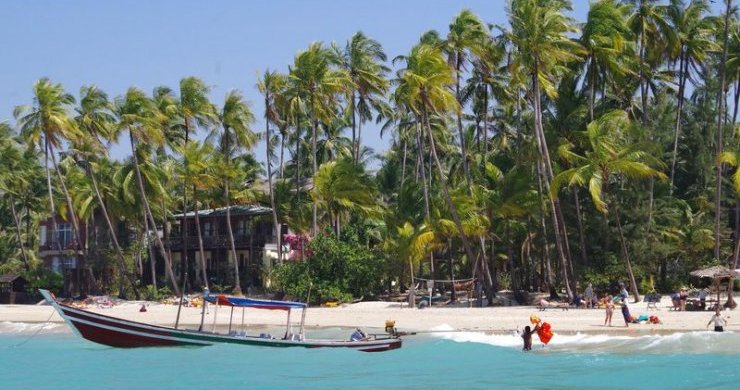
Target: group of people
{"x": 679, "y": 299}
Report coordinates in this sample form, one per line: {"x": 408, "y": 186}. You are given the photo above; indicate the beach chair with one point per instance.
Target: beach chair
{"x": 652, "y": 301}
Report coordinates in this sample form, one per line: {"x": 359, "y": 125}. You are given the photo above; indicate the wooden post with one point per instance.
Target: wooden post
{"x": 231, "y": 319}
{"x": 203, "y": 309}
{"x": 243, "y": 330}
{"x": 182, "y": 295}
{"x": 215, "y": 316}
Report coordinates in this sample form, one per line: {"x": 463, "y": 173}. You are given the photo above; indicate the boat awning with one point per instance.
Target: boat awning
{"x": 254, "y": 303}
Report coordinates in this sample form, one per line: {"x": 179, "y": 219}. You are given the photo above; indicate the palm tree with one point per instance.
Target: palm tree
{"x": 720, "y": 128}
{"x": 341, "y": 187}
{"x": 46, "y": 124}
{"x": 467, "y": 32}
{"x": 95, "y": 119}
{"x": 137, "y": 114}
{"x": 196, "y": 167}
{"x": 362, "y": 59}
{"x": 15, "y": 172}
{"x": 315, "y": 82}
{"x": 272, "y": 84}
{"x": 693, "y": 32}
{"x": 424, "y": 89}
{"x": 605, "y": 38}
{"x": 609, "y": 155}
{"x": 651, "y": 28}
{"x": 732, "y": 158}
{"x": 539, "y": 31}
{"x": 235, "y": 118}
{"x": 194, "y": 110}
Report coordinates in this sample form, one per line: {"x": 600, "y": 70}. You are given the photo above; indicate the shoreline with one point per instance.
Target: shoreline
{"x": 372, "y": 315}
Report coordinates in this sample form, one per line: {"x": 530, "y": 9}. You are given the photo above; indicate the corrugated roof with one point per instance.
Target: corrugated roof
{"x": 9, "y": 278}
{"x": 235, "y": 211}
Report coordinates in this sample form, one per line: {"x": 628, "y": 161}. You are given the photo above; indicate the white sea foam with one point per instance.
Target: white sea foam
{"x": 22, "y": 328}
{"x": 688, "y": 342}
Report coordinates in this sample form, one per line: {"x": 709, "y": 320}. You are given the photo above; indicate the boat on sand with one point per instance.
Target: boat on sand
{"x": 121, "y": 333}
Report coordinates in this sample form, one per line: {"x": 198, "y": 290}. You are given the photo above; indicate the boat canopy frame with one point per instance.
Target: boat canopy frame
{"x": 225, "y": 300}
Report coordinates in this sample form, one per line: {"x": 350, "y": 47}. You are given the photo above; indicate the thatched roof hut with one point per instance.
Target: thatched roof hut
{"x": 717, "y": 273}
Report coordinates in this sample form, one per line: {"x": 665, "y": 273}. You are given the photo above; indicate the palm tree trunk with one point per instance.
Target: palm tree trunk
{"x": 581, "y": 233}
{"x": 152, "y": 258}
{"x": 354, "y": 129}
{"x": 683, "y": 68}
{"x": 591, "y": 93}
{"x": 275, "y": 222}
{"x": 52, "y": 205}
{"x": 720, "y": 136}
{"x": 202, "y": 252}
{"x": 425, "y": 189}
{"x": 543, "y": 226}
{"x": 19, "y": 234}
{"x": 461, "y": 133}
{"x": 403, "y": 164}
{"x": 547, "y": 164}
{"x": 484, "y": 133}
{"x": 314, "y": 161}
{"x": 163, "y": 252}
{"x": 237, "y": 284}
{"x": 643, "y": 99}
{"x": 112, "y": 232}
{"x": 445, "y": 190}
{"x": 282, "y": 154}
{"x": 625, "y": 255}
{"x": 513, "y": 273}
{"x": 81, "y": 249}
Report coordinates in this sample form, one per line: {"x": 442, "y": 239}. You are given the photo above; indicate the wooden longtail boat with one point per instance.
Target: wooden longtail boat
{"x": 117, "y": 332}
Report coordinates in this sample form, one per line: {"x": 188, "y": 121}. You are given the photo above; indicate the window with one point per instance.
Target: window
{"x": 70, "y": 263}
{"x": 207, "y": 229}
{"x": 63, "y": 234}
{"x": 241, "y": 227}
{"x": 43, "y": 235}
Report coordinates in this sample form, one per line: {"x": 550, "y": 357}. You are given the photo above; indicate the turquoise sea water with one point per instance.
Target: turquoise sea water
{"x": 55, "y": 359}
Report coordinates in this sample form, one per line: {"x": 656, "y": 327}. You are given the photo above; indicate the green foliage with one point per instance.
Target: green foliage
{"x": 335, "y": 270}
{"x": 51, "y": 281}
{"x": 152, "y": 294}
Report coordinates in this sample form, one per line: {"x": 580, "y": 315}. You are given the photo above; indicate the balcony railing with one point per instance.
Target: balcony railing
{"x": 217, "y": 241}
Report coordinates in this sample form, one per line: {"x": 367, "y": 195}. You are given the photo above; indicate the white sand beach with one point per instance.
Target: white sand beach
{"x": 374, "y": 314}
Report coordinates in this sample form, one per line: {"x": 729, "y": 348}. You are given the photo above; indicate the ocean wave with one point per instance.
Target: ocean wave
{"x": 675, "y": 343}
{"x": 22, "y": 328}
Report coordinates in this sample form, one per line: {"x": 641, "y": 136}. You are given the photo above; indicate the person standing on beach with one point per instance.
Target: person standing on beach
{"x": 589, "y": 296}
{"x": 719, "y": 321}
{"x": 609, "y": 310}
{"x": 626, "y": 313}
{"x": 623, "y": 292}
{"x": 625, "y": 309}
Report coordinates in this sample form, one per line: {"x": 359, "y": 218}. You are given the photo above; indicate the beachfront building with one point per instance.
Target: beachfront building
{"x": 60, "y": 253}
{"x": 254, "y": 241}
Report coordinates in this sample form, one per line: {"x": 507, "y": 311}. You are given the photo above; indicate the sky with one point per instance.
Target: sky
{"x": 119, "y": 44}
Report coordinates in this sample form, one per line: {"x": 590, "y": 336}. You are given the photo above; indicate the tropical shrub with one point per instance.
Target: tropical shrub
{"x": 335, "y": 270}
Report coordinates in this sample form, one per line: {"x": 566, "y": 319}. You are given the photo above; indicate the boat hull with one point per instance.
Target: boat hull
{"x": 117, "y": 332}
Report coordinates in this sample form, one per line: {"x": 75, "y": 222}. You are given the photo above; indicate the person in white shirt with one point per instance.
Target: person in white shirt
{"x": 719, "y": 321}
{"x": 703, "y": 298}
